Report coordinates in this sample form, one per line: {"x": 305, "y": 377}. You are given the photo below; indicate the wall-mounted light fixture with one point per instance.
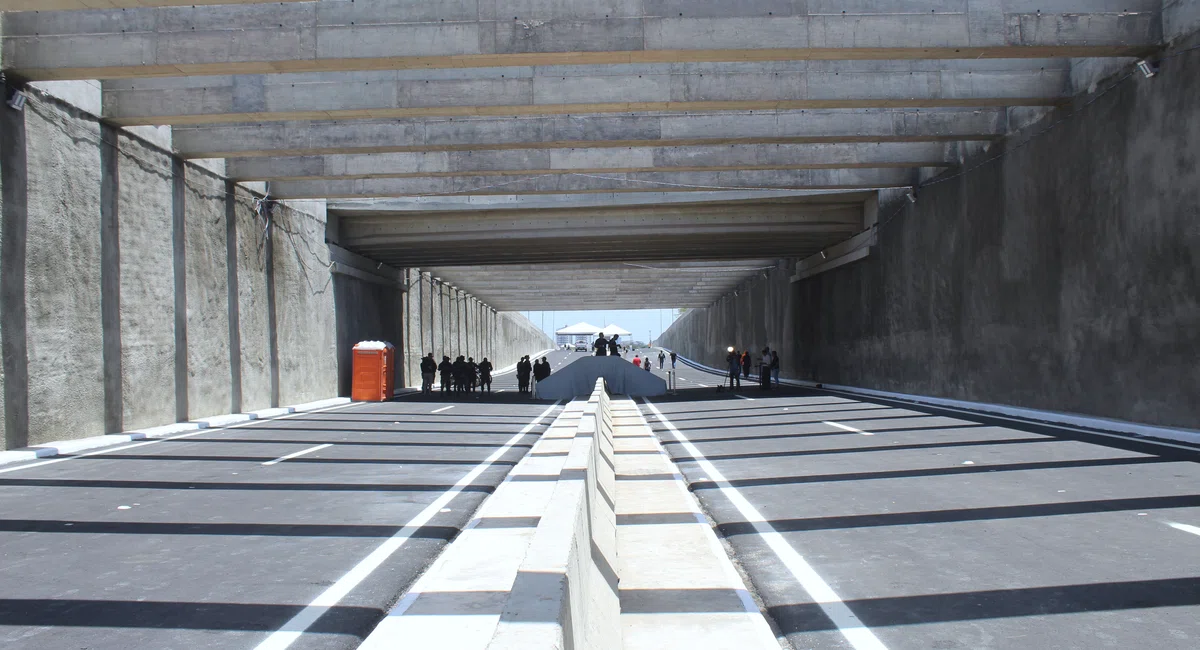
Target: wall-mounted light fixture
{"x": 911, "y": 195}
{"x": 17, "y": 101}
{"x": 1147, "y": 68}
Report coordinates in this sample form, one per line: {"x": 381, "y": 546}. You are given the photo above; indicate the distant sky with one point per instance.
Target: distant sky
{"x": 642, "y": 322}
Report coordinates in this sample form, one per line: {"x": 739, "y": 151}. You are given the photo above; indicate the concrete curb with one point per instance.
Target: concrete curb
{"x": 66, "y": 447}
{"x": 1103, "y": 426}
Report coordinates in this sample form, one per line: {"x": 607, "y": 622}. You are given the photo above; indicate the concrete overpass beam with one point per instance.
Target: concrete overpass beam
{"x": 341, "y": 35}
{"x": 565, "y": 90}
{"x": 810, "y": 179}
{"x": 563, "y": 131}
{"x": 558, "y": 161}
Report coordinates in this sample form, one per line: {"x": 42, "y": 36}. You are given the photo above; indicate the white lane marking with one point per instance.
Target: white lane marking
{"x": 1184, "y": 527}
{"x": 201, "y": 432}
{"x": 444, "y": 408}
{"x": 846, "y": 428}
{"x": 749, "y": 399}
{"x": 858, "y": 634}
{"x": 703, "y": 385}
{"x": 296, "y": 455}
{"x": 291, "y": 631}
{"x": 501, "y": 390}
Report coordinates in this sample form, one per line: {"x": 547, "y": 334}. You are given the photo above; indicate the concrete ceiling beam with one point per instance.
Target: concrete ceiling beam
{"x": 76, "y": 5}
{"x": 570, "y": 90}
{"x": 400, "y": 205}
{"x": 340, "y": 35}
{"x": 813, "y": 179}
{"x": 581, "y": 131}
{"x": 524, "y": 162}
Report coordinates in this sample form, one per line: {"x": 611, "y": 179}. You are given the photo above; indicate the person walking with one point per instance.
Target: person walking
{"x": 541, "y": 370}
{"x": 472, "y": 374}
{"x": 524, "y": 369}
{"x": 447, "y": 370}
{"x": 734, "y": 361}
{"x": 613, "y": 349}
{"x": 637, "y": 361}
{"x": 746, "y": 364}
{"x": 775, "y": 367}
{"x": 485, "y": 375}
{"x": 674, "y": 357}
{"x": 459, "y": 370}
{"x": 662, "y": 358}
{"x": 601, "y": 346}
{"x": 764, "y": 369}
{"x": 646, "y": 363}
{"x": 428, "y": 371}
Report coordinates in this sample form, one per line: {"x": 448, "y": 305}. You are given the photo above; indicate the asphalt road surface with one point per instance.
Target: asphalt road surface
{"x": 868, "y": 524}
{"x": 245, "y": 537}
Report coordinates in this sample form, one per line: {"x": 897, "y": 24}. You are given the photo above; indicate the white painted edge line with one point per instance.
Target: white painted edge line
{"x": 1195, "y": 530}
{"x": 1120, "y": 429}
{"x": 120, "y": 446}
{"x": 291, "y": 631}
{"x": 443, "y": 409}
{"x": 858, "y": 635}
{"x": 846, "y": 428}
{"x": 749, "y": 399}
{"x": 296, "y": 455}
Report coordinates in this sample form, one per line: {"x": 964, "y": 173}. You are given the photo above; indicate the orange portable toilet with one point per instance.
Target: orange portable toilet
{"x": 374, "y": 371}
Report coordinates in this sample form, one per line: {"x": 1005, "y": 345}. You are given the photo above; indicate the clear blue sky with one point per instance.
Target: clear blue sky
{"x": 642, "y": 322}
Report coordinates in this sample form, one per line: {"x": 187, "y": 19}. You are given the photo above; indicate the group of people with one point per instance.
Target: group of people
{"x": 462, "y": 375}
{"x": 662, "y": 360}
{"x": 741, "y": 362}
{"x": 540, "y": 371}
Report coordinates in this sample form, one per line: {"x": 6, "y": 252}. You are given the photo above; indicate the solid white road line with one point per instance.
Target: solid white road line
{"x": 296, "y": 455}
{"x": 1184, "y": 527}
{"x": 109, "y": 450}
{"x": 846, "y": 428}
{"x": 444, "y": 408}
{"x": 291, "y": 631}
{"x": 749, "y": 399}
{"x": 859, "y": 635}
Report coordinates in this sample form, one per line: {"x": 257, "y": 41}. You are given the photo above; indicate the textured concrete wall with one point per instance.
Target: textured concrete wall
{"x": 366, "y": 311}
{"x": 1064, "y": 277}
{"x": 108, "y": 237}
{"x": 147, "y": 286}
{"x": 305, "y": 307}
{"x": 762, "y": 314}
{"x": 208, "y": 373}
{"x": 62, "y": 279}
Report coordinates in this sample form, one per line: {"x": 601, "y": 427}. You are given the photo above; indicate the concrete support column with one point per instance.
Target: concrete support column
{"x": 234, "y": 308}
{"x": 13, "y": 226}
{"x": 179, "y": 249}
{"x": 110, "y": 278}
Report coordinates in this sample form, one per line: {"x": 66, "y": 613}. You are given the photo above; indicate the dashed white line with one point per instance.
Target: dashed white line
{"x": 291, "y": 631}
{"x": 444, "y": 408}
{"x": 703, "y": 385}
{"x": 846, "y": 428}
{"x": 501, "y": 390}
{"x": 748, "y": 399}
{"x": 1184, "y": 527}
{"x": 847, "y": 622}
{"x": 296, "y": 455}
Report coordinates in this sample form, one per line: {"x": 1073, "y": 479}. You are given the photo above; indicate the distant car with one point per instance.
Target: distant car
{"x": 581, "y": 346}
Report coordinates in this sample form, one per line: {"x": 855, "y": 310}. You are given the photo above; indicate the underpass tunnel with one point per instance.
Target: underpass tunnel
{"x": 970, "y": 230}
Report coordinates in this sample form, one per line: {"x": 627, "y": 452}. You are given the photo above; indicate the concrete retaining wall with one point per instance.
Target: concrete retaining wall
{"x": 1064, "y": 277}
{"x": 139, "y": 290}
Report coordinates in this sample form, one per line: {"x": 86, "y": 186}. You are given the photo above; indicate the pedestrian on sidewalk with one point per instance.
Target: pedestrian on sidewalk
{"x": 662, "y": 358}
{"x": 673, "y": 358}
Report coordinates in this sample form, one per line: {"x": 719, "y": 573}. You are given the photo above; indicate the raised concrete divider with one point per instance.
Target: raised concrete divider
{"x": 537, "y": 568}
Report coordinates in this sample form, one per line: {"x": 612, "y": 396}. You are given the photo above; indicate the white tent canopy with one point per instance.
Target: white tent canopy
{"x": 613, "y": 329}
{"x": 579, "y": 329}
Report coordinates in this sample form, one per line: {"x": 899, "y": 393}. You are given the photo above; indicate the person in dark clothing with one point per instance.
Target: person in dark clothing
{"x": 447, "y": 370}
{"x": 542, "y": 370}
{"x": 460, "y": 373}
{"x": 524, "y": 368}
{"x": 764, "y": 369}
{"x": 472, "y": 374}
{"x": 485, "y": 375}
{"x": 746, "y": 364}
{"x": 601, "y": 346}
{"x": 662, "y": 358}
{"x": 428, "y": 372}
{"x": 613, "y": 350}
{"x": 674, "y": 358}
{"x": 734, "y": 361}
